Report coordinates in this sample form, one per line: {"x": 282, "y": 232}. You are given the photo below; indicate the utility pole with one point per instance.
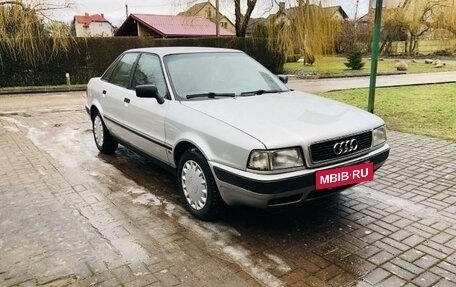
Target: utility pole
{"x": 375, "y": 52}
{"x": 356, "y": 11}
{"x": 356, "y": 21}
{"x": 126, "y": 11}
{"x": 217, "y": 18}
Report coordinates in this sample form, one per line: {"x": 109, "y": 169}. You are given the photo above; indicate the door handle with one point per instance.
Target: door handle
{"x": 127, "y": 100}
{"x": 104, "y": 92}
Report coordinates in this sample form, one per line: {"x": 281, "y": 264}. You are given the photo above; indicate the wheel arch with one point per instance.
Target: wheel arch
{"x": 184, "y": 145}
{"x": 95, "y": 107}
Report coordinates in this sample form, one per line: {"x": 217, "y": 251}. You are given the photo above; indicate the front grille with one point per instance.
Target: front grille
{"x": 324, "y": 151}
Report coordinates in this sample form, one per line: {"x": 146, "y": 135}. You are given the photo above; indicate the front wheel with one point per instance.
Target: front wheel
{"x": 198, "y": 187}
{"x": 103, "y": 139}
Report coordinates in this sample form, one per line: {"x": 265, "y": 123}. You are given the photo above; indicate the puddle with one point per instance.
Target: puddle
{"x": 129, "y": 174}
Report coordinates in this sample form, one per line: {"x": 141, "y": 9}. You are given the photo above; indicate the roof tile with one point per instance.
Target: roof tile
{"x": 170, "y": 25}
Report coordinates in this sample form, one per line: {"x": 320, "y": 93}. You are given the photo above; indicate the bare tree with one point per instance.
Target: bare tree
{"x": 27, "y": 30}
{"x": 243, "y": 11}
{"x": 411, "y": 21}
{"x": 242, "y": 20}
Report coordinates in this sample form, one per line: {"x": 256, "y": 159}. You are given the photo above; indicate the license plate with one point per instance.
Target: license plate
{"x": 346, "y": 175}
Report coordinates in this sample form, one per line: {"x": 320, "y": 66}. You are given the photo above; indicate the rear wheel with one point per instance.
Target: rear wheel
{"x": 103, "y": 139}
{"x": 198, "y": 187}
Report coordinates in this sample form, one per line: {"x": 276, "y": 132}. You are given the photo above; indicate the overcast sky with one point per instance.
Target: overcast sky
{"x": 114, "y": 10}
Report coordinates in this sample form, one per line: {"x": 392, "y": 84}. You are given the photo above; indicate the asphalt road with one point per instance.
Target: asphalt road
{"x": 324, "y": 85}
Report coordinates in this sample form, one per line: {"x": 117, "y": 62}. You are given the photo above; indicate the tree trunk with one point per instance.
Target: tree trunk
{"x": 242, "y": 21}
{"x": 238, "y": 15}
{"x": 382, "y": 47}
{"x": 410, "y": 49}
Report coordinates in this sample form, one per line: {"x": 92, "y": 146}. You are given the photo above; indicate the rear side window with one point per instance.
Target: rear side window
{"x": 120, "y": 75}
{"x": 149, "y": 72}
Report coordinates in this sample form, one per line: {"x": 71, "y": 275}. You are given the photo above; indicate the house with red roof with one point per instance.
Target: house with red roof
{"x": 169, "y": 26}
{"x": 92, "y": 26}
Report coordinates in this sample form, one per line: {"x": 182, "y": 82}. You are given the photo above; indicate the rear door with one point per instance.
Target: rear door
{"x": 145, "y": 117}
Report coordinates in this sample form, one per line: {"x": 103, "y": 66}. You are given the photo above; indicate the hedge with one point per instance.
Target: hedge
{"x": 91, "y": 56}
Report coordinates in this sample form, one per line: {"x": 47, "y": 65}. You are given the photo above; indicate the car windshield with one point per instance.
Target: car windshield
{"x": 217, "y": 75}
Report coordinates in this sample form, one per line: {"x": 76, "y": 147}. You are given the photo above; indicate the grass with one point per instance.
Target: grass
{"x": 330, "y": 66}
{"x": 426, "y": 110}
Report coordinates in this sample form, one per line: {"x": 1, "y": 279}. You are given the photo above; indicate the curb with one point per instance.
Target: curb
{"x": 318, "y": 77}
{"x": 38, "y": 90}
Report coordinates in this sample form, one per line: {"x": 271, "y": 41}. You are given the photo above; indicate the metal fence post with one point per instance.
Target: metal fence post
{"x": 375, "y": 52}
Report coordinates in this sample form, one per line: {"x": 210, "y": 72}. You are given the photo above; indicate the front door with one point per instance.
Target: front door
{"x": 145, "y": 116}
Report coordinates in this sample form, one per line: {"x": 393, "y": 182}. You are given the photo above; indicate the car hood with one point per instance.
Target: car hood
{"x": 287, "y": 119}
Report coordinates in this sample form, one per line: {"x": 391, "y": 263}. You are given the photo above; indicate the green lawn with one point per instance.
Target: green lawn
{"x": 335, "y": 66}
{"x": 426, "y": 110}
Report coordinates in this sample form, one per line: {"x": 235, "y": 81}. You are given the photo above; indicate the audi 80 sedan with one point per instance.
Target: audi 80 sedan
{"x": 231, "y": 130}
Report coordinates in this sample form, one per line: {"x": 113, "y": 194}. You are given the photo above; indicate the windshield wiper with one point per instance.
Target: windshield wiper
{"x": 211, "y": 95}
{"x": 260, "y": 92}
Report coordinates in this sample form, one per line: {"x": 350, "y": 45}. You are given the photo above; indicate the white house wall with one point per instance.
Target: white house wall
{"x": 95, "y": 29}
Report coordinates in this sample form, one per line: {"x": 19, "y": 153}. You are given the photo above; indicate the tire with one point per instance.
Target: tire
{"x": 103, "y": 139}
{"x": 197, "y": 186}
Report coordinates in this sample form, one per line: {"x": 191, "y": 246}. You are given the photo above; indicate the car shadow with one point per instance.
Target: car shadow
{"x": 146, "y": 173}
{"x": 310, "y": 235}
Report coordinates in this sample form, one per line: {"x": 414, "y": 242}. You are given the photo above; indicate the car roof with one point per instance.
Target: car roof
{"x": 163, "y": 51}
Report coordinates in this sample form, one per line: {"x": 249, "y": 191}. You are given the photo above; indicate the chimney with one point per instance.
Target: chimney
{"x": 86, "y": 14}
{"x": 102, "y": 15}
{"x": 281, "y": 7}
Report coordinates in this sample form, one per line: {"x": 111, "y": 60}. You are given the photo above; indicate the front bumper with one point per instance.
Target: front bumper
{"x": 268, "y": 190}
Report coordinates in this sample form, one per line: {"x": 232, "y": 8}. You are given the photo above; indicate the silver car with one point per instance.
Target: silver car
{"x": 230, "y": 129}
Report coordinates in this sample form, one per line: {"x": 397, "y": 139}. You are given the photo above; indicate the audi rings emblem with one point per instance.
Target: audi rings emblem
{"x": 345, "y": 147}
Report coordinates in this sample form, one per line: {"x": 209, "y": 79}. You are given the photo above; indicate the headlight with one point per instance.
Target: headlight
{"x": 379, "y": 136}
{"x": 259, "y": 160}
{"x": 275, "y": 159}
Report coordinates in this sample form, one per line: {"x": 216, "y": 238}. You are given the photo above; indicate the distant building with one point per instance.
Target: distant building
{"x": 92, "y": 26}
{"x": 169, "y": 26}
{"x": 208, "y": 11}
{"x": 334, "y": 12}
{"x": 284, "y": 16}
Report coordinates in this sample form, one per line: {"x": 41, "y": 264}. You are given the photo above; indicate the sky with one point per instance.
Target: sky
{"x": 114, "y": 10}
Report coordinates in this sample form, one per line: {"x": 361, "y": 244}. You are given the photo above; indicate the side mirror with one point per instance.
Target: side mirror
{"x": 149, "y": 91}
{"x": 283, "y": 78}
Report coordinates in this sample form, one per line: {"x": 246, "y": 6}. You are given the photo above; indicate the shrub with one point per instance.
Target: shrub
{"x": 355, "y": 60}
{"x": 443, "y": 53}
{"x": 90, "y": 57}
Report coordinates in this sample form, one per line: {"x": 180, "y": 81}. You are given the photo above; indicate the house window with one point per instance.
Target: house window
{"x": 208, "y": 13}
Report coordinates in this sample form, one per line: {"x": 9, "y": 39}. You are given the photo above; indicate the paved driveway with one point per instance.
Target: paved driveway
{"x": 72, "y": 217}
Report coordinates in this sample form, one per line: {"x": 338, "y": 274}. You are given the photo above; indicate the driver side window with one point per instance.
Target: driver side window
{"x": 120, "y": 74}
{"x": 149, "y": 72}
